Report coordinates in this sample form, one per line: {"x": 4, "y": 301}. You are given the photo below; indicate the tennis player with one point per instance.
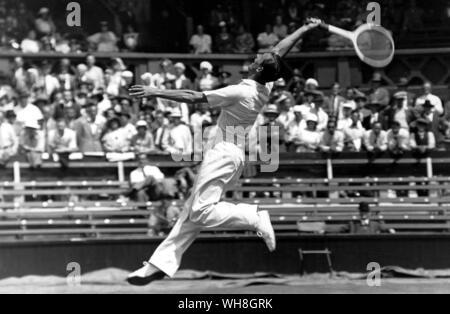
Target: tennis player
{"x": 223, "y": 164}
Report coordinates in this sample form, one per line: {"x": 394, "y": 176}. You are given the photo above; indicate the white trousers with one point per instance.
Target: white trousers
{"x": 221, "y": 169}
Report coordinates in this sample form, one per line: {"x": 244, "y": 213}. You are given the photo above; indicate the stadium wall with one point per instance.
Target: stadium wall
{"x": 230, "y": 254}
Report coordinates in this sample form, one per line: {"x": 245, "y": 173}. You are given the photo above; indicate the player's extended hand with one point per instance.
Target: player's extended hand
{"x": 140, "y": 91}
{"x": 313, "y": 22}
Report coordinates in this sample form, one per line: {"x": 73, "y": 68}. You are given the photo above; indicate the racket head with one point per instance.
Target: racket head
{"x": 374, "y": 45}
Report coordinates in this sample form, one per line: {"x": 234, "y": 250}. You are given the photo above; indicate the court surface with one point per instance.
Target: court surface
{"x": 112, "y": 281}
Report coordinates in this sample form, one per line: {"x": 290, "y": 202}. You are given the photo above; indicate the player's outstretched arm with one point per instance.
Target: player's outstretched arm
{"x": 286, "y": 45}
{"x": 182, "y": 96}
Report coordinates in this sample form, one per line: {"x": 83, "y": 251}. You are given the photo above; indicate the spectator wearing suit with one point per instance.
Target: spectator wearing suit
{"x": 32, "y": 143}
{"x": 319, "y": 112}
{"x": 433, "y": 99}
{"x": 373, "y": 114}
{"x": 335, "y": 102}
{"x": 89, "y": 128}
{"x": 142, "y": 142}
{"x": 398, "y": 140}
{"x": 399, "y": 112}
{"x": 201, "y": 43}
{"x": 422, "y": 140}
{"x": 379, "y": 94}
{"x": 161, "y": 131}
{"x": 332, "y": 141}
{"x": 9, "y": 142}
{"x": 403, "y": 87}
{"x": 428, "y": 114}
{"x": 354, "y": 134}
{"x": 375, "y": 140}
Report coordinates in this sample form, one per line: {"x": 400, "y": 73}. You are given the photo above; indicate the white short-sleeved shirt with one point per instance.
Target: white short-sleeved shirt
{"x": 30, "y": 113}
{"x": 240, "y": 106}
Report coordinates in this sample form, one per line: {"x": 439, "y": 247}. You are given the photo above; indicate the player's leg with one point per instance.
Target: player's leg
{"x": 221, "y": 169}
{"x": 166, "y": 260}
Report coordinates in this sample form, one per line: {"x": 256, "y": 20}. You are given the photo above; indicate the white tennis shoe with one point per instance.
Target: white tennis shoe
{"x": 265, "y": 230}
{"x": 145, "y": 275}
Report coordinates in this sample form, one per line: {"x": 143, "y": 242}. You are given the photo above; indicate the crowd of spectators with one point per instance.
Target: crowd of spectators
{"x": 225, "y": 30}
{"x": 22, "y": 29}
{"x": 63, "y": 110}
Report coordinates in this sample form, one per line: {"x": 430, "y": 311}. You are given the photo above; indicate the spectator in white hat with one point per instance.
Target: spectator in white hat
{"x": 142, "y": 142}
{"x": 180, "y": 138}
{"x": 165, "y": 73}
{"x": 201, "y": 43}
{"x": 181, "y": 81}
{"x": 274, "y": 128}
{"x": 147, "y": 79}
{"x": 206, "y": 81}
{"x": 309, "y": 138}
{"x": 311, "y": 84}
{"x": 294, "y": 128}
{"x": 346, "y": 119}
{"x": 127, "y": 81}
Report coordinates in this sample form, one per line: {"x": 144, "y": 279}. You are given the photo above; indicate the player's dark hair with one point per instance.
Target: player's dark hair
{"x": 272, "y": 68}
